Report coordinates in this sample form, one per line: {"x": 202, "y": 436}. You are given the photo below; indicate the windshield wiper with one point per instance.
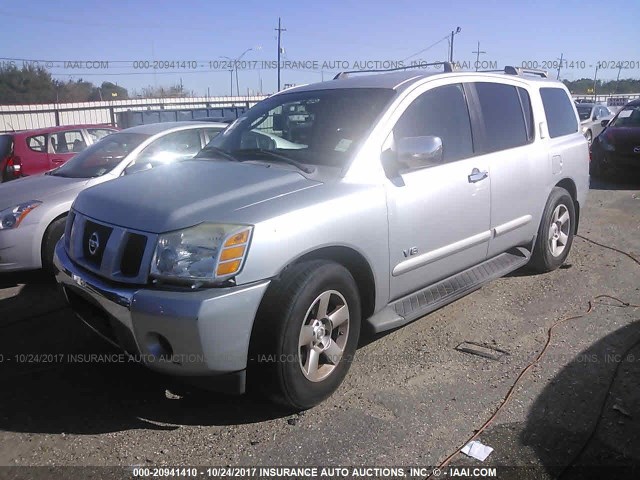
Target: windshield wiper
{"x": 274, "y": 156}
{"x": 216, "y": 151}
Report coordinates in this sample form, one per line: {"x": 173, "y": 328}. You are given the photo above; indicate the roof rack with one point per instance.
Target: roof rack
{"x": 447, "y": 66}
{"x": 509, "y": 70}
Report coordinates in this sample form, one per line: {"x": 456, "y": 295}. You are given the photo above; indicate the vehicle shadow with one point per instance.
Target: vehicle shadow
{"x": 57, "y": 376}
{"x": 597, "y": 389}
{"x": 79, "y": 384}
{"x": 587, "y": 416}
{"x": 615, "y": 181}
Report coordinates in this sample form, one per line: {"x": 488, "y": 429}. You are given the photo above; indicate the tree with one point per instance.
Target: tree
{"x": 111, "y": 91}
{"x": 27, "y": 85}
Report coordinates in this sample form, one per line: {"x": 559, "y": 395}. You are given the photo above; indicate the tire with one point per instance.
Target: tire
{"x": 289, "y": 333}
{"x": 51, "y": 236}
{"x": 556, "y": 231}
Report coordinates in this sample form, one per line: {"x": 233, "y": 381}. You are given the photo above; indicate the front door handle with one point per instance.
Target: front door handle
{"x": 477, "y": 175}
{"x": 58, "y": 160}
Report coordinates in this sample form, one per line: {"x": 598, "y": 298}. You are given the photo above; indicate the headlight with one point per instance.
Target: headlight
{"x": 204, "y": 253}
{"x": 11, "y": 217}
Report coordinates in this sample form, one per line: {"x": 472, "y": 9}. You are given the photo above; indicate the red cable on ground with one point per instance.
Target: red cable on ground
{"x": 511, "y": 390}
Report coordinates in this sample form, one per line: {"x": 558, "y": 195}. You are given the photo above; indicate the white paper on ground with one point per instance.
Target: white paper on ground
{"x": 477, "y": 450}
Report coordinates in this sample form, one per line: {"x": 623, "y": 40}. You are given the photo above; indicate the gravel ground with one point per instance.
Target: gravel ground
{"x": 410, "y": 398}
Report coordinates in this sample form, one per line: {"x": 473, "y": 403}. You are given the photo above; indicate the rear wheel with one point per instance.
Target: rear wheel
{"x": 556, "y": 231}
{"x": 306, "y": 334}
{"x": 51, "y": 236}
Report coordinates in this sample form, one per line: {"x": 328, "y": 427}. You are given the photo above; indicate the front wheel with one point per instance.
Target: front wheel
{"x": 306, "y": 334}
{"x": 51, "y": 237}
{"x": 556, "y": 231}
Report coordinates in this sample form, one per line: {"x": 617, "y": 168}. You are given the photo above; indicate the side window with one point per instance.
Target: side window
{"x": 37, "y": 143}
{"x": 210, "y": 133}
{"x": 173, "y": 146}
{"x": 503, "y": 117}
{"x": 441, "y": 112}
{"x": 561, "y": 119}
{"x": 98, "y": 133}
{"x": 68, "y": 142}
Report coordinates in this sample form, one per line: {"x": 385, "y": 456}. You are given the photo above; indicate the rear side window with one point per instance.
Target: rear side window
{"x": 561, "y": 119}
{"x": 37, "y": 143}
{"x": 503, "y": 117}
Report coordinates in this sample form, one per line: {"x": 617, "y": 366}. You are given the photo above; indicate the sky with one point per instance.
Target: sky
{"x": 186, "y": 41}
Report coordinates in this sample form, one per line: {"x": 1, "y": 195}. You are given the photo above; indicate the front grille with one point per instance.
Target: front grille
{"x": 132, "y": 255}
{"x": 94, "y": 242}
{"x": 115, "y": 253}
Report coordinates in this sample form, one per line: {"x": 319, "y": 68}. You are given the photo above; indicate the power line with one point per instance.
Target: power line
{"x": 446, "y": 37}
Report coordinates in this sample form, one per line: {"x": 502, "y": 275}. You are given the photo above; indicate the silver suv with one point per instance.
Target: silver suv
{"x": 361, "y": 202}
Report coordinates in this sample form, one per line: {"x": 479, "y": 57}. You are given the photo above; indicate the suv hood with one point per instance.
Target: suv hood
{"x": 181, "y": 195}
{"x": 37, "y": 187}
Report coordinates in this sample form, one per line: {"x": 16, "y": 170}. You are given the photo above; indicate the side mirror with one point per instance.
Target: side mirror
{"x": 419, "y": 152}
{"x": 604, "y": 123}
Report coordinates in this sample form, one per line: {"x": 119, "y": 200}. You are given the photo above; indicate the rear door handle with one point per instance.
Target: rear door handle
{"x": 477, "y": 175}
{"x": 58, "y": 160}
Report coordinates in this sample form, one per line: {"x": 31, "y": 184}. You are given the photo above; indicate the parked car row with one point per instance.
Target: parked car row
{"x": 39, "y": 204}
{"x": 35, "y": 151}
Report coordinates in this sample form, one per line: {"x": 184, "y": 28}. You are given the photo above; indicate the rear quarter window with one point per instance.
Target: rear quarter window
{"x": 37, "y": 143}
{"x": 561, "y": 118}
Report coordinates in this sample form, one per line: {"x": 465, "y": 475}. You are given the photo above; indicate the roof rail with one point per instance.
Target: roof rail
{"x": 518, "y": 71}
{"x": 447, "y": 66}
{"x": 525, "y": 71}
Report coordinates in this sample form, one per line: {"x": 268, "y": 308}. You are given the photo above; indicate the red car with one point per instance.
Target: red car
{"x": 30, "y": 152}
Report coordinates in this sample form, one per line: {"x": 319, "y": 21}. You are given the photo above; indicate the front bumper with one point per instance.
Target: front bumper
{"x": 17, "y": 250}
{"x": 186, "y": 333}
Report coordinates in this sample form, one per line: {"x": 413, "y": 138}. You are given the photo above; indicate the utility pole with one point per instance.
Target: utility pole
{"x": 453, "y": 32}
{"x": 559, "y": 66}
{"x": 618, "y": 77}
{"x": 280, "y": 30}
{"x": 595, "y": 76}
{"x": 478, "y": 52}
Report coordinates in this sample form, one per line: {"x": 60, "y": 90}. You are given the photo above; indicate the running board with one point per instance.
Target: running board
{"x": 431, "y": 298}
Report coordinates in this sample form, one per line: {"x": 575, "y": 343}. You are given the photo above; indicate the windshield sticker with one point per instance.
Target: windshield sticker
{"x": 343, "y": 145}
{"x": 625, "y": 113}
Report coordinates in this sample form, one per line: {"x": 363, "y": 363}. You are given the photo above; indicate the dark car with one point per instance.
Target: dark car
{"x": 30, "y": 152}
{"x": 618, "y": 146}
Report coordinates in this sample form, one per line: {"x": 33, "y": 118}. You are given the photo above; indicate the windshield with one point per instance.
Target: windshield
{"x": 321, "y": 127}
{"x": 584, "y": 112}
{"x": 101, "y": 157}
{"x": 628, "y": 117}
